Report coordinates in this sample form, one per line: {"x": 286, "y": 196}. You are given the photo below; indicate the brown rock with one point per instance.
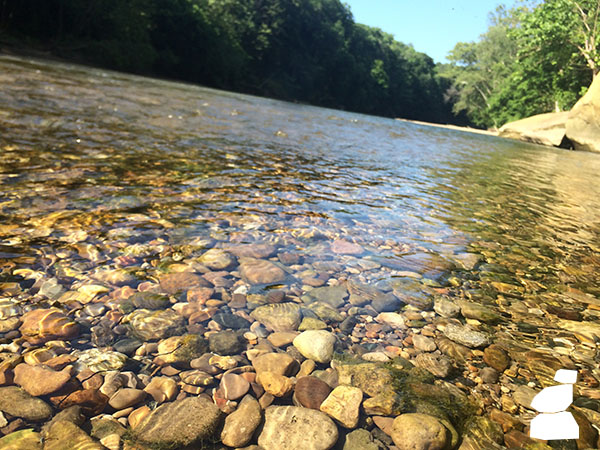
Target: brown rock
{"x": 38, "y": 380}
{"x": 241, "y": 424}
{"x": 282, "y": 338}
{"x": 92, "y": 401}
{"x": 43, "y": 325}
{"x": 172, "y": 283}
{"x": 234, "y": 386}
{"x": 279, "y": 363}
{"x": 126, "y": 397}
{"x": 310, "y": 392}
{"x": 496, "y": 357}
{"x": 162, "y": 389}
{"x": 137, "y": 416}
{"x": 275, "y": 384}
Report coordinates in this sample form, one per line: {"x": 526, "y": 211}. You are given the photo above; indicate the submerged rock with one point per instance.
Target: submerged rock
{"x": 419, "y": 432}
{"x": 241, "y": 424}
{"x": 152, "y": 325}
{"x": 465, "y": 335}
{"x": 291, "y": 428}
{"x": 17, "y": 402}
{"x": 260, "y": 271}
{"x": 180, "y": 423}
{"x": 43, "y": 325}
{"x": 279, "y": 316}
{"x": 316, "y": 345}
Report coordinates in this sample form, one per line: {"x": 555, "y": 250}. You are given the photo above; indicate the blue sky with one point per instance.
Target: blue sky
{"x": 432, "y": 26}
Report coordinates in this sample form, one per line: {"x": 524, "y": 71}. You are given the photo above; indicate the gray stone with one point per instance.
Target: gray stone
{"x": 466, "y": 336}
{"x": 225, "y": 343}
{"x": 361, "y": 440}
{"x": 316, "y": 345}
{"x": 279, "y": 317}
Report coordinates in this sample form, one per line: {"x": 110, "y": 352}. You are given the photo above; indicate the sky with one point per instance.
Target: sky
{"x": 432, "y": 26}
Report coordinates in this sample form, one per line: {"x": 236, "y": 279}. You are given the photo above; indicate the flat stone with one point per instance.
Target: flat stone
{"x": 234, "y": 386}
{"x": 465, "y": 335}
{"x": 43, "y": 325}
{"x": 149, "y": 300}
{"x": 423, "y": 343}
{"x": 292, "y": 428}
{"x": 438, "y": 365}
{"x": 311, "y": 323}
{"x": 38, "y": 380}
{"x": 392, "y": 319}
{"x": 343, "y": 247}
{"x": 343, "y": 405}
{"x": 172, "y": 283}
{"x": 316, "y": 345}
{"x": 260, "y": 271}
{"x": 225, "y": 343}
{"x": 179, "y": 423}
{"x": 279, "y": 316}
{"x": 419, "y": 432}
{"x": 241, "y": 424}
{"x": 18, "y": 403}
{"x": 310, "y": 392}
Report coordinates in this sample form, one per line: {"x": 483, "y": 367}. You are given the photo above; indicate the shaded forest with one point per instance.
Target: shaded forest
{"x": 309, "y": 51}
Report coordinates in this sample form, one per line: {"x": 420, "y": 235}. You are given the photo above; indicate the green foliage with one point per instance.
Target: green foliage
{"x": 300, "y": 50}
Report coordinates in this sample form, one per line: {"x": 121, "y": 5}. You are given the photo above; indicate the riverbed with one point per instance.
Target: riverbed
{"x": 136, "y": 212}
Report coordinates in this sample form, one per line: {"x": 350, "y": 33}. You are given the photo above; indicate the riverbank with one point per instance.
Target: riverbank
{"x": 452, "y": 127}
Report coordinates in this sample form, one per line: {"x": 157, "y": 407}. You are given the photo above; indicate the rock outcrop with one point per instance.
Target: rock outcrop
{"x": 583, "y": 123}
{"x": 543, "y": 129}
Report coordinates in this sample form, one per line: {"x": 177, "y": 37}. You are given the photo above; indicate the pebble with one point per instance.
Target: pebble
{"x": 162, "y": 389}
{"x": 216, "y": 259}
{"x": 344, "y": 247}
{"x": 489, "y": 375}
{"x": 465, "y": 335}
{"x": 415, "y": 431}
{"x": 438, "y": 365}
{"x": 445, "y": 308}
{"x": 241, "y": 424}
{"x": 172, "y": 283}
{"x": 496, "y": 357}
{"x": 423, "y": 343}
{"x": 260, "y": 271}
{"x": 292, "y": 428}
{"x": 225, "y": 343}
{"x": 126, "y": 397}
{"x": 316, "y": 345}
{"x": 281, "y": 338}
{"x": 98, "y": 360}
{"x": 180, "y": 350}
{"x": 234, "y": 386}
{"x": 310, "y": 392}
{"x": 392, "y": 319}
{"x": 280, "y": 363}
{"x": 275, "y": 384}
{"x": 343, "y": 405}
{"x": 150, "y": 325}
{"x": 279, "y": 316}
{"x": 233, "y": 321}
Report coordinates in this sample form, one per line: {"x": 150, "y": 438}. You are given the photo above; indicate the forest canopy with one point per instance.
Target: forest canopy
{"x": 308, "y": 51}
{"x": 537, "y": 57}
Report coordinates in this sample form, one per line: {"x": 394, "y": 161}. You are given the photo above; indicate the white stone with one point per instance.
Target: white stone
{"x": 566, "y": 376}
{"x": 553, "y": 399}
{"x": 561, "y": 425}
{"x": 392, "y": 319}
{"x": 316, "y": 345}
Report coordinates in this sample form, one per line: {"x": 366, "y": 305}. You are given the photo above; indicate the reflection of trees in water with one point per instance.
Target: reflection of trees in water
{"x": 534, "y": 210}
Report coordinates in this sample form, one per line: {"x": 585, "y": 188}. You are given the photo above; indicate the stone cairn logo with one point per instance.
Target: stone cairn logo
{"x": 554, "y": 422}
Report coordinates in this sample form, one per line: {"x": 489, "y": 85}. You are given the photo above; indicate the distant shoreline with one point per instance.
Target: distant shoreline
{"x": 452, "y": 127}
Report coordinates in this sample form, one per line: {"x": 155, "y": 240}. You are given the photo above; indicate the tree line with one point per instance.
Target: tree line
{"x": 535, "y": 58}
{"x": 308, "y": 51}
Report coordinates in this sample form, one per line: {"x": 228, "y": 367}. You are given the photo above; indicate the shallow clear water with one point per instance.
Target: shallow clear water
{"x": 93, "y": 163}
